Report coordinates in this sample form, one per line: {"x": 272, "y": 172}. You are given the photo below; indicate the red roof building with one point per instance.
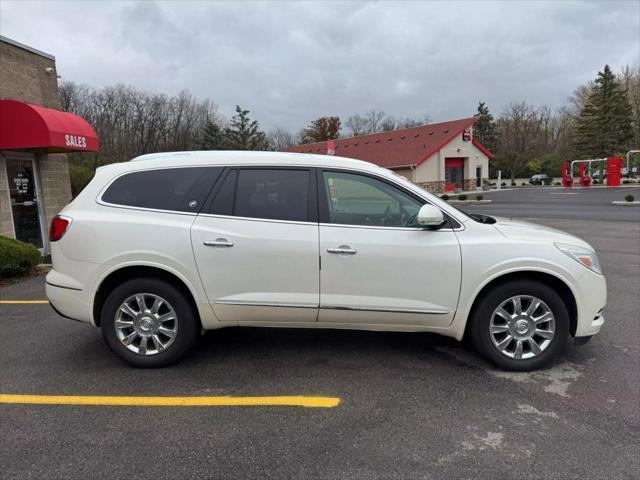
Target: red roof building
{"x": 440, "y": 156}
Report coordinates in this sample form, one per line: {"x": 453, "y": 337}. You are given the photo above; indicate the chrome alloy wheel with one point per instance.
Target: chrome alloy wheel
{"x": 522, "y": 327}
{"x": 146, "y": 324}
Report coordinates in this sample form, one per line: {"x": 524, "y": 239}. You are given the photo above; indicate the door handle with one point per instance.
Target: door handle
{"x": 218, "y": 242}
{"x": 343, "y": 249}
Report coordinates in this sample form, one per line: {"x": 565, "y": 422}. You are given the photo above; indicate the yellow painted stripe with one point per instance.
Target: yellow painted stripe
{"x": 289, "y": 401}
{"x": 22, "y": 302}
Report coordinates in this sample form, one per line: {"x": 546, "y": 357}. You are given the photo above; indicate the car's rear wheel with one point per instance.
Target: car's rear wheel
{"x": 148, "y": 322}
{"x": 520, "y": 325}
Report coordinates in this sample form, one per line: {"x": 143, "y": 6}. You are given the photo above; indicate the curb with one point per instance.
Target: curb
{"x": 624, "y": 203}
{"x": 464, "y": 202}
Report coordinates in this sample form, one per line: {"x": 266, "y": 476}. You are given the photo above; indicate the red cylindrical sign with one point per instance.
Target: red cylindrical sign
{"x": 614, "y": 167}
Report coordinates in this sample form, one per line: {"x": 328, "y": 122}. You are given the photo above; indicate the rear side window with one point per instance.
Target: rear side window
{"x": 277, "y": 194}
{"x": 166, "y": 189}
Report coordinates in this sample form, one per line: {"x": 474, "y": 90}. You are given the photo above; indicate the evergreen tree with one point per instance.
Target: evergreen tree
{"x": 213, "y": 137}
{"x": 588, "y": 139}
{"x": 485, "y": 130}
{"x": 242, "y": 133}
{"x": 604, "y": 126}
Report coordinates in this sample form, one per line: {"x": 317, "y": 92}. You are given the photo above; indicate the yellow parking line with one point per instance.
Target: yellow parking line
{"x": 288, "y": 401}
{"x": 22, "y": 302}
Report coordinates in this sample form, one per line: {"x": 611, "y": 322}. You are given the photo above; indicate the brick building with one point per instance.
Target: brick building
{"x": 34, "y": 136}
{"x": 439, "y": 157}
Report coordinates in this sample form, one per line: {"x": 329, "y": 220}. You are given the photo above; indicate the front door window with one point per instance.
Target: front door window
{"x": 360, "y": 200}
{"x": 24, "y": 201}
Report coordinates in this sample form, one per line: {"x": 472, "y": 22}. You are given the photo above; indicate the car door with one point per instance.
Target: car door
{"x": 256, "y": 245}
{"x": 377, "y": 266}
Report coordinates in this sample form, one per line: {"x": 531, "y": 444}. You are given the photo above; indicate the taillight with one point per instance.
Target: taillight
{"x": 59, "y": 226}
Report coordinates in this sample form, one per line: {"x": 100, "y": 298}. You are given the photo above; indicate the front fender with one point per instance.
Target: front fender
{"x": 480, "y": 272}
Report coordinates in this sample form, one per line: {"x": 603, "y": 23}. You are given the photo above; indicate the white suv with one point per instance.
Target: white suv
{"x": 158, "y": 249}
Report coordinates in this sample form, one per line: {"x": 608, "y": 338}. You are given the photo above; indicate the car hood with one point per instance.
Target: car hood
{"x": 523, "y": 230}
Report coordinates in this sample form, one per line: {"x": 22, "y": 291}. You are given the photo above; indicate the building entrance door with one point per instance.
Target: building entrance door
{"x": 24, "y": 200}
{"x": 453, "y": 173}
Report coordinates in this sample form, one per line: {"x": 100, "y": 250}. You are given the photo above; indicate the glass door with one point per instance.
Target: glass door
{"x": 24, "y": 200}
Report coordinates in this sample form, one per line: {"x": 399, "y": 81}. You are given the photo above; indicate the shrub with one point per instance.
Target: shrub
{"x": 479, "y": 197}
{"x": 629, "y": 198}
{"x": 80, "y": 175}
{"x": 503, "y": 184}
{"x": 444, "y": 197}
{"x": 17, "y": 257}
{"x": 462, "y": 197}
{"x": 557, "y": 183}
{"x": 627, "y": 181}
{"x": 523, "y": 184}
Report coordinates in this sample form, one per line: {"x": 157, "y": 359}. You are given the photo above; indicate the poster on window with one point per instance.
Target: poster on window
{"x": 21, "y": 183}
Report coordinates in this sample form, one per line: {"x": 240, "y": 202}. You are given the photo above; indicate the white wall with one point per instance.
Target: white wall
{"x": 432, "y": 170}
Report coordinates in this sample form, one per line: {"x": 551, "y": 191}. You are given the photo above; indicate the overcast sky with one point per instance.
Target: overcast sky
{"x": 292, "y": 62}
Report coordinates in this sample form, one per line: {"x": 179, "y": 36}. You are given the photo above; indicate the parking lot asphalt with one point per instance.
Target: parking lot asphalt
{"x": 411, "y": 405}
{"x": 563, "y": 203}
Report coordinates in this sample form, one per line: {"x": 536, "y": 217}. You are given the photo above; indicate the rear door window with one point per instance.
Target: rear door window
{"x": 223, "y": 201}
{"x": 178, "y": 189}
{"x": 277, "y": 194}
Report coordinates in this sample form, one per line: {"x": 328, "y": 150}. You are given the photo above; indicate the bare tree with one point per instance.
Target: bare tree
{"x": 388, "y": 124}
{"x": 629, "y": 78}
{"x": 131, "y": 122}
{"x": 356, "y": 126}
{"x": 374, "y": 120}
{"x": 580, "y": 97}
{"x": 412, "y": 122}
{"x": 280, "y": 138}
{"x": 520, "y": 136}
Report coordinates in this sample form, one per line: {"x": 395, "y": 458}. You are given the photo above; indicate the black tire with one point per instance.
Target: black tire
{"x": 481, "y": 318}
{"x": 187, "y": 322}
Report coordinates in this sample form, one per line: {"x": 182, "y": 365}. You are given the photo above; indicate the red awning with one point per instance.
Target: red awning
{"x": 24, "y": 126}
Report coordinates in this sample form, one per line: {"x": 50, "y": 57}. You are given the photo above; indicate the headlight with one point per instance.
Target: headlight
{"x": 584, "y": 256}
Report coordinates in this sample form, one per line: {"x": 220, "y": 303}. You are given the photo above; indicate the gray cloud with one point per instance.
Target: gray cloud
{"x": 292, "y": 62}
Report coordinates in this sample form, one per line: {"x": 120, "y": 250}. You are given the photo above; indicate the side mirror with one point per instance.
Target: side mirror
{"x": 430, "y": 216}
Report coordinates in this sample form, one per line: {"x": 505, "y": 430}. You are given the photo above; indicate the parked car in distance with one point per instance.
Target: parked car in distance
{"x": 156, "y": 250}
{"x": 597, "y": 175}
{"x": 540, "y": 179}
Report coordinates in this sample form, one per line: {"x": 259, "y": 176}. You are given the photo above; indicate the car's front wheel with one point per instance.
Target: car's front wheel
{"x": 148, "y": 322}
{"x": 520, "y": 325}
